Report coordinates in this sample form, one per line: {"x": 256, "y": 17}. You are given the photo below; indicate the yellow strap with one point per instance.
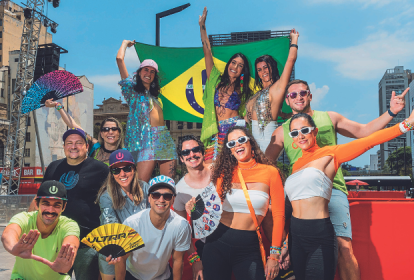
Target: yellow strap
{"x": 252, "y": 213}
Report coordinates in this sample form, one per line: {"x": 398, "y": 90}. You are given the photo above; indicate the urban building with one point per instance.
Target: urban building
{"x": 411, "y": 106}
{"x": 373, "y": 160}
{"x": 397, "y": 80}
{"x": 11, "y": 28}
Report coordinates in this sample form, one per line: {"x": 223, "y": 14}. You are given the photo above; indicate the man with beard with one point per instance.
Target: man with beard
{"x": 52, "y": 255}
{"x": 164, "y": 233}
{"x": 191, "y": 152}
{"x": 82, "y": 177}
{"x": 298, "y": 97}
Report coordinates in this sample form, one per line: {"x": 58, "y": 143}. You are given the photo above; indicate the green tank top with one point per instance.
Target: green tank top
{"x": 326, "y": 137}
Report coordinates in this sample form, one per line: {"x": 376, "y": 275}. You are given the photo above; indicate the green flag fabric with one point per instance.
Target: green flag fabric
{"x": 183, "y": 75}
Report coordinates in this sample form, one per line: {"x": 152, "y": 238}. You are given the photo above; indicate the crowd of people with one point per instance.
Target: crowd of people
{"x": 108, "y": 180}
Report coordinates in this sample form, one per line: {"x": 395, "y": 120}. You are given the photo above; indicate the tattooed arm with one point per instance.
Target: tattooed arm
{"x": 206, "y": 43}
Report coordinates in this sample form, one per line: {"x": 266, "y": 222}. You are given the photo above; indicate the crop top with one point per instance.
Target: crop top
{"x": 236, "y": 202}
{"x": 233, "y": 103}
{"x": 254, "y": 172}
{"x": 308, "y": 182}
{"x": 340, "y": 153}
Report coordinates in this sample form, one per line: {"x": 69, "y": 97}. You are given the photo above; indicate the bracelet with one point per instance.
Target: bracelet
{"x": 391, "y": 113}
{"x": 272, "y": 258}
{"x": 294, "y": 46}
{"x": 405, "y": 126}
{"x": 59, "y": 106}
{"x": 275, "y": 251}
{"x": 192, "y": 255}
{"x": 194, "y": 259}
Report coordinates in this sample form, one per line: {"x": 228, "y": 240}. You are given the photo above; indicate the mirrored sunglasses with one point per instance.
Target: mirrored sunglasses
{"x": 241, "y": 140}
{"x": 187, "y": 152}
{"x": 117, "y": 170}
{"x": 303, "y": 130}
{"x": 294, "y": 94}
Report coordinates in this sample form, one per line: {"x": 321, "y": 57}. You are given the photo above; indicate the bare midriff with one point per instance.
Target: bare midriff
{"x": 227, "y": 114}
{"x": 241, "y": 221}
{"x": 156, "y": 116}
{"x": 310, "y": 208}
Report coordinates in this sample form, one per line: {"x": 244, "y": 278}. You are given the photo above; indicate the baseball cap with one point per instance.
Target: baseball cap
{"x": 120, "y": 155}
{"x": 52, "y": 189}
{"x": 162, "y": 181}
{"x": 150, "y": 63}
{"x": 74, "y": 130}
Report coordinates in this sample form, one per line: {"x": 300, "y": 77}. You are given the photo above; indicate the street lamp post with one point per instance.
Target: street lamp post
{"x": 164, "y": 14}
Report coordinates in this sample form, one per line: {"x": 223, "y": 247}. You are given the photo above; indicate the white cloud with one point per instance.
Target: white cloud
{"x": 131, "y": 59}
{"x": 318, "y": 94}
{"x": 369, "y": 59}
{"x": 109, "y": 82}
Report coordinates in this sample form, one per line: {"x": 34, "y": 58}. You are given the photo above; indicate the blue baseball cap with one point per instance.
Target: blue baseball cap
{"x": 120, "y": 155}
{"x": 162, "y": 181}
{"x": 74, "y": 130}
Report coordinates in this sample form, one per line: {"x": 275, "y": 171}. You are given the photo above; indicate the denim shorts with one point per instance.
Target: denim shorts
{"x": 339, "y": 214}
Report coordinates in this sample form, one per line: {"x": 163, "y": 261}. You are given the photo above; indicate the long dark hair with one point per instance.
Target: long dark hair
{"x": 226, "y": 163}
{"x": 302, "y": 115}
{"x": 155, "y": 88}
{"x": 225, "y": 78}
{"x": 271, "y": 64}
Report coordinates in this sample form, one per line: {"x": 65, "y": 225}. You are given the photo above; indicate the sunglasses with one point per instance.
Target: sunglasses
{"x": 187, "y": 152}
{"x": 294, "y": 94}
{"x": 117, "y": 170}
{"x": 303, "y": 130}
{"x": 241, "y": 140}
{"x": 107, "y": 129}
{"x": 166, "y": 196}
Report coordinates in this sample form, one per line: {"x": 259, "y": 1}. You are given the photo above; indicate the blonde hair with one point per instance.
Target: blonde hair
{"x": 120, "y": 143}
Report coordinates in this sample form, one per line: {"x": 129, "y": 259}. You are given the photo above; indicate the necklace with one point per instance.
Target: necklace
{"x": 248, "y": 167}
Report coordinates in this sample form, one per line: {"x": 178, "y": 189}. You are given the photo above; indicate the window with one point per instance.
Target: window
{"x": 189, "y": 125}
{"x": 29, "y": 121}
{"x": 27, "y": 164}
{"x": 27, "y": 152}
{"x": 0, "y": 58}
{"x": 167, "y": 124}
{"x": 1, "y": 46}
{"x": 2, "y": 93}
{"x": 16, "y": 60}
{"x": 19, "y": 17}
{"x": 180, "y": 125}
{"x": 199, "y": 125}
{"x": 1, "y": 22}
{"x": 27, "y": 136}
{"x": 1, "y": 34}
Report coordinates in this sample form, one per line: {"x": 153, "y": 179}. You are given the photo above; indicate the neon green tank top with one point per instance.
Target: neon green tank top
{"x": 326, "y": 137}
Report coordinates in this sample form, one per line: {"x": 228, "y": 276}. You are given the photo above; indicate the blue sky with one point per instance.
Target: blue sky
{"x": 345, "y": 46}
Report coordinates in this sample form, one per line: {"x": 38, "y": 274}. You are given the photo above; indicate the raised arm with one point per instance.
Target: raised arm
{"x": 277, "y": 90}
{"x": 206, "y": 43}
{"x": 275, "y": 146}
{"x": 67, "y": 119}
{"x": 120, "y": 58}
{"x": 353, "y": 129}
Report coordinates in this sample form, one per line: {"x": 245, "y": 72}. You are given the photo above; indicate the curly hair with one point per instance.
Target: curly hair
{"x": 188, "y": 137}
{"x": 226, "y": 163}
{"x": 271, "y": 65}
{"x": 225, "y": 78}
{"x": 155, "y": 88}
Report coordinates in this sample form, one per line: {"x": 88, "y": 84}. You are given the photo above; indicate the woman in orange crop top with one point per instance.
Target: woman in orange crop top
{"x": 234, "y": 246}
{"x": 312, "y": 241}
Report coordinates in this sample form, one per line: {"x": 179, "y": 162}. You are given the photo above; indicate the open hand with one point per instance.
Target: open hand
{"x": 24, "y": 246}
{"x": 271, "y": 269}
{"x": 202, "y": 19}
{"x": 397, "y": 102}
{"x": 294, "y": 35}
{"x": 197, "y": 271}
{"x": 63, "y": 261}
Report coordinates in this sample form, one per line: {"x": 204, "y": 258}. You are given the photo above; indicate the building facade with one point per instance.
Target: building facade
{"x": 397, "y": 80}
{"x": 373, "y": 160}
{"x": 411, "y": 105}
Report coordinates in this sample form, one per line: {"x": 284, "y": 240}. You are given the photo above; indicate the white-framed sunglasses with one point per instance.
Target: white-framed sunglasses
{"x": 231, "y": 144}
{"x": 304, "y": 130}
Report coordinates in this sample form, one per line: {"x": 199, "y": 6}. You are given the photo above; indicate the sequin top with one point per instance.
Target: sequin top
{"x": 138, "y": 129}
{"x": 233, "y": 103}
{"x": 261, "y": 104}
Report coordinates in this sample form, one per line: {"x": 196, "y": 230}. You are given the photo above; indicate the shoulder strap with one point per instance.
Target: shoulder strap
{"x": 252, "y": 213}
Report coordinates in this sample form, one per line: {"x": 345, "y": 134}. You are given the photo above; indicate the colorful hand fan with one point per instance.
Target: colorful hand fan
{"x": 207, "y": 212}
{"x": 56, "y": 85}
{"x": 114, "y": 239}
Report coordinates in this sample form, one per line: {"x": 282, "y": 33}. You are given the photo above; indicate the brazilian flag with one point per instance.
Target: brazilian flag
{"x": 183, "y": 74}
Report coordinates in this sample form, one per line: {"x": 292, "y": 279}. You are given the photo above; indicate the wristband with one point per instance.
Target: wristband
{"x": 272, "y": 258}
{"x": 405, "y": 126}
{"x": 391, "y": 113}
{"x": 59, "y": 106}
{"x": 294, "y": 46}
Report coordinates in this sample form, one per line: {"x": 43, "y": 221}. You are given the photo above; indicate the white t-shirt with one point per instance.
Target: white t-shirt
{"x": 184, "y": 194}
{"x": 151, "y": 261}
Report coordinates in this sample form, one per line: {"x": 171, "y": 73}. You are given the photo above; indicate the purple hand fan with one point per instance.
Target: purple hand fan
{"x": 56, "y": 85}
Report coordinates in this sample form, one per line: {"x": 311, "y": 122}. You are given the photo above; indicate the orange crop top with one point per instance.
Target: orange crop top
{"x": 346, "y": 152}
{"x": 254, "y": 172}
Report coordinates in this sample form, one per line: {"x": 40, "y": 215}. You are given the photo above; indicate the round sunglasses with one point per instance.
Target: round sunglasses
{"x": 187, "y": 152}
{"x": 166, "y": 196}
{"x": 304, "y": 130}
{"x": 117, "y": 170}
{"x": 294, "y": 94}
{"x": 107, "y": 129}
{"x": 241, "y": 140}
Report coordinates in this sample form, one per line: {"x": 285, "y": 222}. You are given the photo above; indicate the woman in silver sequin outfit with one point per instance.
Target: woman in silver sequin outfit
{"x": 264, "y": 107}
{"x": 146, "y": 136}
{"x": 121, "y": 196}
